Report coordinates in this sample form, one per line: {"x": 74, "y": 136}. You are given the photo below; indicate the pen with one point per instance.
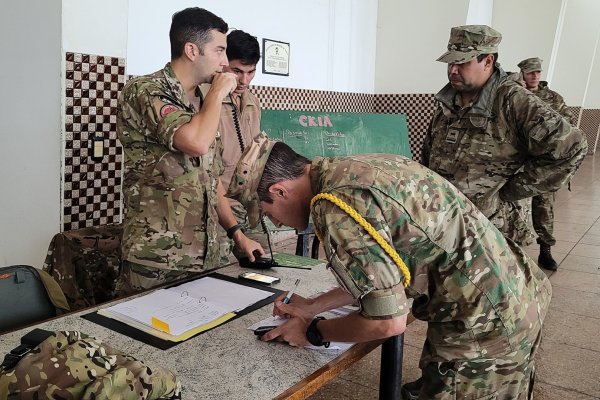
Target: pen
{"x": 288, "y": 297}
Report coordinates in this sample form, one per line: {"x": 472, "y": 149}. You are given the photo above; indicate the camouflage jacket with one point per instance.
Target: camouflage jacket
{"x": 72, "y": 365}
{"x": 555, "y": 101}
{"x": 170, "y": 198}
{"x": 480, "y": 294}
{"x": 507, "y": 146}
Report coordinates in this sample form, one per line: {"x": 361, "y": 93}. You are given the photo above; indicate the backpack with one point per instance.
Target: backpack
{"x": 28, "y": 295}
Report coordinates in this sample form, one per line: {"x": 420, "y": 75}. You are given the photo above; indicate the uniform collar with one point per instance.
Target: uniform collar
{"x": 485, "y": 98}
{"x": 245, "y": 100}
{"x": 315, "y": 174}
{"x": 176, "y": 87}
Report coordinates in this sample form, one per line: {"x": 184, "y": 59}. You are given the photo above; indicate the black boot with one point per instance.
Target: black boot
{"x": 410, "y": 391}
{"x": 545, "y": 259}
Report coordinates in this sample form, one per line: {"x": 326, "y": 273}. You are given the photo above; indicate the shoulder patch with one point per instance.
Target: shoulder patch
{"x": 166, "y": 109}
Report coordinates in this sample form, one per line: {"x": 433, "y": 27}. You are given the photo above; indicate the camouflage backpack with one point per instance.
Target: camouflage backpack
{"x": 72, "y": 365}
{"x": 86, "y": 263}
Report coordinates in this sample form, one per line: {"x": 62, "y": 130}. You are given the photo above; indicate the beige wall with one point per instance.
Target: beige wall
{"x": 528, "y": 28}
{"x": 410, "y": 36}
{"x": 578, "y": 42}
{"x": 30, "y": 139}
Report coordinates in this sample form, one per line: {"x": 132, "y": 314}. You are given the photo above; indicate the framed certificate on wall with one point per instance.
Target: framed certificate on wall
{"x": 276, "y": 57}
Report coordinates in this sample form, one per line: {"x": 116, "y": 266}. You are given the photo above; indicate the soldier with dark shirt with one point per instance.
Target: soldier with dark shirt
{"x": 243, "y": 52}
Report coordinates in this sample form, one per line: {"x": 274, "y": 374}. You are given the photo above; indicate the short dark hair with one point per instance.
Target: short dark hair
{"x": 283, "y": 164}
{"x": 243, "y": 46}
{"x": 193, "y": 25}
{"x": 482, "y": 56}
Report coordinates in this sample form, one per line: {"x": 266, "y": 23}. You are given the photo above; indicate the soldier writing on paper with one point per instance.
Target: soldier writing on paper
{"x": 392, "y": 230}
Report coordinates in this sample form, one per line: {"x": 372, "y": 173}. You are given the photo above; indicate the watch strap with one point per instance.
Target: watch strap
{"x": 313, "y": 335}
{"x": 231, "y": 231}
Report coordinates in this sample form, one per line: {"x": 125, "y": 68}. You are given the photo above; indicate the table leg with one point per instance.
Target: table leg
{"x": 302, "y": 244}
{"x": 390, "y": 376}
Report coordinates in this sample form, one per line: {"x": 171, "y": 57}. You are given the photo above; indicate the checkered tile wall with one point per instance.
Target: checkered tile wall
{"x": 276, "y": 98}
{"x": 418, "y": 109}
{"x": 92, "y": 189}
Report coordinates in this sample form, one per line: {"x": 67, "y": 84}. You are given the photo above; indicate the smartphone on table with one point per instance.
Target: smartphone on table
{"x": 260, "y": 278}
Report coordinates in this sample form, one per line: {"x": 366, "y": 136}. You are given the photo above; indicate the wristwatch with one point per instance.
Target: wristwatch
{"x": 313, "y": 335}
{"x": 234, "y": 229}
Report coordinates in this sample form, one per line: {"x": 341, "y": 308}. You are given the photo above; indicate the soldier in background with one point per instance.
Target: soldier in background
{"x": 493, "y": 140}
{"x": 168, "y": 129}
{"x": 542, "y": 210}
{"x": 483, "y": 298}
{"x": 240, "y": 110}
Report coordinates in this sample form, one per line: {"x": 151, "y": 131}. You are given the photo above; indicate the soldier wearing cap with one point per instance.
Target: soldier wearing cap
{"x": 492, "y": 139}
{"x": 483, "y": 298}
{"x": 173, "y": 197}
{"x": 542, "y": 210}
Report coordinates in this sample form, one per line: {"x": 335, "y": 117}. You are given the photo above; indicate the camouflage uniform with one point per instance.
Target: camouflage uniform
{"x": 170, "y": 223}
{"x": 542, "y": 209}
{"x": 248, "y": 116}
{"x": 72, "y": 365}
{"x": 505, "y": 147}
{"x": 484, "y": 299}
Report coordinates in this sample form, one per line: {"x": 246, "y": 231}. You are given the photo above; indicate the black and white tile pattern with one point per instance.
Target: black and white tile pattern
{"x": 92, "y": 189}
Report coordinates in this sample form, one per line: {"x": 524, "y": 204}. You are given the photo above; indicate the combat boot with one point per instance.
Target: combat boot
{"x": 410, "y": 391}
{"x": 545, "y": 259}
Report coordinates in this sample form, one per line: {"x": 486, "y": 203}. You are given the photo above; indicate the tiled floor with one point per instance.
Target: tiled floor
{"x": 568, "y": 362}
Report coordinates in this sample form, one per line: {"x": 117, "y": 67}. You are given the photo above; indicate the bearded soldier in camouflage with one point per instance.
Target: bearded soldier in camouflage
{"x": 493, "y": 140}
{"x": 542, "y": 210}
{"x": 484, "y": 299}
{"x": 173, "y": 196}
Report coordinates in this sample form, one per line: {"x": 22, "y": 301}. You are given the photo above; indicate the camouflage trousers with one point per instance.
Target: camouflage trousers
{"x": 504, "y": 377}
{"x": 542, "y": 214}
{"x": 513, "y": 219}
{"x": 135, "y": 277}
{"x": 228, "y": 247}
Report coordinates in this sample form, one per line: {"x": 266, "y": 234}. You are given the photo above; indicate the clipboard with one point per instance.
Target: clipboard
{"x": 163, "y": 344}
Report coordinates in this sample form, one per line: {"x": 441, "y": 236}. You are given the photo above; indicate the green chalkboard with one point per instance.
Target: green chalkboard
{"x": 337, "y": 134}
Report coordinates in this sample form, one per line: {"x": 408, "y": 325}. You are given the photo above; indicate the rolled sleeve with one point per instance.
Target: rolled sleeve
{"x": 384, "y": 303}
{"x": 359, "y": 263}
{"x": 161, "y": 117}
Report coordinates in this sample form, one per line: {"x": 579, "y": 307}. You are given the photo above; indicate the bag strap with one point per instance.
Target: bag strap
{"x": 370, "y": 230}
{"x": 55, "y": 293}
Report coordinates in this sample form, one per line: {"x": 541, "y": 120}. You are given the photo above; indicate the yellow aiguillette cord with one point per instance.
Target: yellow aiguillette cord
{"x": 370, "y": 230}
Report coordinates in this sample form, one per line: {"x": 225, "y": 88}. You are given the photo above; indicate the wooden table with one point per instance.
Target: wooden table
{"x": 228, "y": 362}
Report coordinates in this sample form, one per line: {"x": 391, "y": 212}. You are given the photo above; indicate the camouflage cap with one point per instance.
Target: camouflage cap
{"x": 247, "y": 175}
{"x": 468, "y": 41}
{"x": 530, "y": 65}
